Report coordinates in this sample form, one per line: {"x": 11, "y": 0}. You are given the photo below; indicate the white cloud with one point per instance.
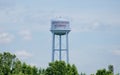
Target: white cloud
{"x": 40, "y": 19}
{"x": 91, "y": 26}
{"x": 25, "y": 34}
{"x": 116, "y": 52}
{"x": 23, "y": 54}
{"x": 5, "y": 38}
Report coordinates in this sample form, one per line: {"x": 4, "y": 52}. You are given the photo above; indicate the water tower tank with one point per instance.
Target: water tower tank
{"x": 60, "y": 26}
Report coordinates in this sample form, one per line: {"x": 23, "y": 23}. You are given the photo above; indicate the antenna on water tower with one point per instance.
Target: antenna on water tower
{"x": 60, "y": 27}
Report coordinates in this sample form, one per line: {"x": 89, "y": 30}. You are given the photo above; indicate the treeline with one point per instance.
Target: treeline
{"x": 109, "y": 71}
{"x": 11, "y": 65}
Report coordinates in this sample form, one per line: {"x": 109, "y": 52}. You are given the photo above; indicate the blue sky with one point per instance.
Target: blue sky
{"x": 94, "y": 40}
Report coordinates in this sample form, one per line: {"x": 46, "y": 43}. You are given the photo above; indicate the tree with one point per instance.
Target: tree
{"x": 56, "y": 68}
{"x": 10, "y": 65}
{"x": 74, "y": 70}
{"x": 61, "y": 68}
{"x": 41, "y": 71}
{"x": 69, "y": 70}
{"x": 17, "y": 67}
{"x": 34, "y": 70}
{"x": 101, "y": 72}
{"x": 106, "y": 72}
{"x": 6, "y": 63}
{"x": 82, "y": 73}
{"x": 111, "y": 69}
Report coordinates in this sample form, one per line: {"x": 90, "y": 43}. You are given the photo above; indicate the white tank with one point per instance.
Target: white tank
{"x": 60, "y": 26}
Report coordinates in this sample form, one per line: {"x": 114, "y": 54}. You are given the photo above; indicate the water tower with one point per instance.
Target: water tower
{"x": 60, "y": 27}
